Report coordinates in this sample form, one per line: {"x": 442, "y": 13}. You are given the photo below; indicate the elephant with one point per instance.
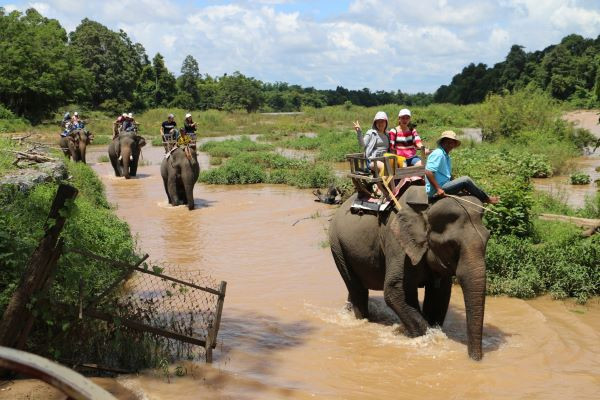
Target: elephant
{"x": 74, "y": 145}
{"x": 419, "y": 245}
{"x": 124, "y": 153}
{"x": 180, "y": 171}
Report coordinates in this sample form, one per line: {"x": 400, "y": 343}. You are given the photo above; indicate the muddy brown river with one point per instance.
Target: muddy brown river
{"x": 285, "y": 333}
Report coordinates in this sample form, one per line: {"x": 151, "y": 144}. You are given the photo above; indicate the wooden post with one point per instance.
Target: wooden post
{"x": 211, "y": 337}
{"x": 18, "y": 319}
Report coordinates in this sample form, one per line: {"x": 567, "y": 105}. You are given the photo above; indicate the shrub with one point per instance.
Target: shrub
{"x": 580, "y": 178}
{"x": 562, "y": 265}
{"x": 505, "y": 115}
{"x": 234, "y": 172}
{"x": 230, "y": 147}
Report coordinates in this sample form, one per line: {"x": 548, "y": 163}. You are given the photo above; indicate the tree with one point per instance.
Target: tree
{"x": 187, "y": 83}
{"x": 113, "y": 60}
{"x": 237, "y": 91}
{"x": 166, "y": 87}
{"x": 38, "y": 70}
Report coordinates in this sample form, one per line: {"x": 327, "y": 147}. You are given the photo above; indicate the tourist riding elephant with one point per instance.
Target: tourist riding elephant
{"x": 124, "y": 153}
{"x": 180, "y": 172}
{"x": 74, "y": 145}
{"x": 400, "y": 251}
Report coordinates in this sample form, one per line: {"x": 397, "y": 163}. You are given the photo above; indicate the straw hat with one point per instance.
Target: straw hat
{"x": 449, "y": 135}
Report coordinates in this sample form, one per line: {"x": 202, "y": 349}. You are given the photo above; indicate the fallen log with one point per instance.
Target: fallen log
{"x": 592, "y": 225}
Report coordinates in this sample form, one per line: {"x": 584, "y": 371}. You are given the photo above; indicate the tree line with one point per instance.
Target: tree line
{"x": 42, "y": 67}
{"x": 568, "y": 71}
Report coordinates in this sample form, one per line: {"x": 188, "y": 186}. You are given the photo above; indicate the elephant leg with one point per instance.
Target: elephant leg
{"x": 172, "y": 188}
{"x": 401, "y": 295}
{"x": 437, "y": 298}
{"x": 114, "y": 160}
{"x": 358, "y": 295}
{"x": 166, "y": 184}
{"x": 133, "y": 165}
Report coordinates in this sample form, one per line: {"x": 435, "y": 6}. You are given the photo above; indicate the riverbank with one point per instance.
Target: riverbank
{"x": 91, "y": 225}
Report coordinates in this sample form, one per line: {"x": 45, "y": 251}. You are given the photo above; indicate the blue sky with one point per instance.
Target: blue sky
{"x": 379, "y": 44}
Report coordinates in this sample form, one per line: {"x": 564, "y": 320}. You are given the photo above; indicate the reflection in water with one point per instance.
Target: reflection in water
{"x": 286, "y": 332}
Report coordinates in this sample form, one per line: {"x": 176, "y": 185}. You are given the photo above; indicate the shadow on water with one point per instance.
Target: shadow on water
{"x": 455, "y": 325}
{"x": 260, "y": 335}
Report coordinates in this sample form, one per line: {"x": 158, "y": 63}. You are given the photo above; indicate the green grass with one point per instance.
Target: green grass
{"x": 6, "y": 157}
{"x": 231, "y": 147}
{"x": 269, "y": 167}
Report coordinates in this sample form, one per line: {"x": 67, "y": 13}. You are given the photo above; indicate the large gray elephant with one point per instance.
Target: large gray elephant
{"x": 400, "y": 251}
{"x": 124, "y": 153}
{"x": 74, "y": 145}
{"x": 180, "y": 172}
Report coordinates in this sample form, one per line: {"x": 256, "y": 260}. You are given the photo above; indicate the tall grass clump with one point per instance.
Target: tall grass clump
{"x": 269, "y": 167}
{"x": 9, "y": 122}
{"x": 563, "y": 264}
{"x": 231, "y": 147}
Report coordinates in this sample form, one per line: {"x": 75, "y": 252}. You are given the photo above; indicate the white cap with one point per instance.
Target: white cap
{"x": 124, "y": 115}
{"x": 130, "y": 115}
{"x": 188, "y": 115}
{"x": 403, "y": 112}
{"x": 75, "y": 113}
{"x": 380, "y": 115}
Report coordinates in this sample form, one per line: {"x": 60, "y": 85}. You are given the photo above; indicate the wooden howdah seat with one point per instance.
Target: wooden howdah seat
{"x": 363, "y": 178}
{"x": 170, "y": 140}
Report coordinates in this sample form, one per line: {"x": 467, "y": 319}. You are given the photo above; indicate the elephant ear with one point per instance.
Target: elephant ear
{"x": 141, "y": 141}
{"x": 409, "y": 227}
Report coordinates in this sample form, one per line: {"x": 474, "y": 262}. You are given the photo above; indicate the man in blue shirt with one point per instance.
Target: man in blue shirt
{"x": 438, "y": 173}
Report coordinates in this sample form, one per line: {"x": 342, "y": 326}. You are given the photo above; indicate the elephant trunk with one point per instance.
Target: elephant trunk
{"x": 471, "y": 276}
{"x": 125, "y": 154}
{"x": 188, "y": 184}
{"x": 82, "y": 147}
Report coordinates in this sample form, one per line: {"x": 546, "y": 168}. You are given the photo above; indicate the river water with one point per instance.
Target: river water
{"x": 285, "y": 333}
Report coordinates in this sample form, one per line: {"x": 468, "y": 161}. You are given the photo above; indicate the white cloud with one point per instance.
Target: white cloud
{"x": 10, "y": 8}
{"x": 380, "y": 44}
{"x": 42, "y": 8}
{"x": 576, "y": 19}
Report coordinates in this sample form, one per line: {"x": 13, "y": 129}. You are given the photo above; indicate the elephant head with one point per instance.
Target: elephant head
{"x": 124, "y": 153}
{"x": 74, "y": 145}
{"x": 452, "y": 240}
{"x": 180, "y": 171}
{"x": 415, "y": 246}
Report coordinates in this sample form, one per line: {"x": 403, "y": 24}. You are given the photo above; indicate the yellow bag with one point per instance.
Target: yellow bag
{"x": 399, "y": 162}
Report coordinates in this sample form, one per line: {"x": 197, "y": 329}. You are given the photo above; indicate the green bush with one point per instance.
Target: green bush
{"x": 269, "y": 167}
{"x": 9, "y": 122}
{"x": 234, "y": 172}
{"x": 230, "y": 147}
{"x": 507, "y": 114}
{"x": 580, "y": 178}
{"x": 564, "y": 265}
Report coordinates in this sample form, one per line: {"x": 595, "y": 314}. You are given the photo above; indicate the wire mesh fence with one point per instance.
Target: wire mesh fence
{"x": 180, "y": 308}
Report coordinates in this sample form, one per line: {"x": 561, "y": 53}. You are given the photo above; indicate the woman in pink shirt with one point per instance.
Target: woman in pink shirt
{"x": 405, "y": 140}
